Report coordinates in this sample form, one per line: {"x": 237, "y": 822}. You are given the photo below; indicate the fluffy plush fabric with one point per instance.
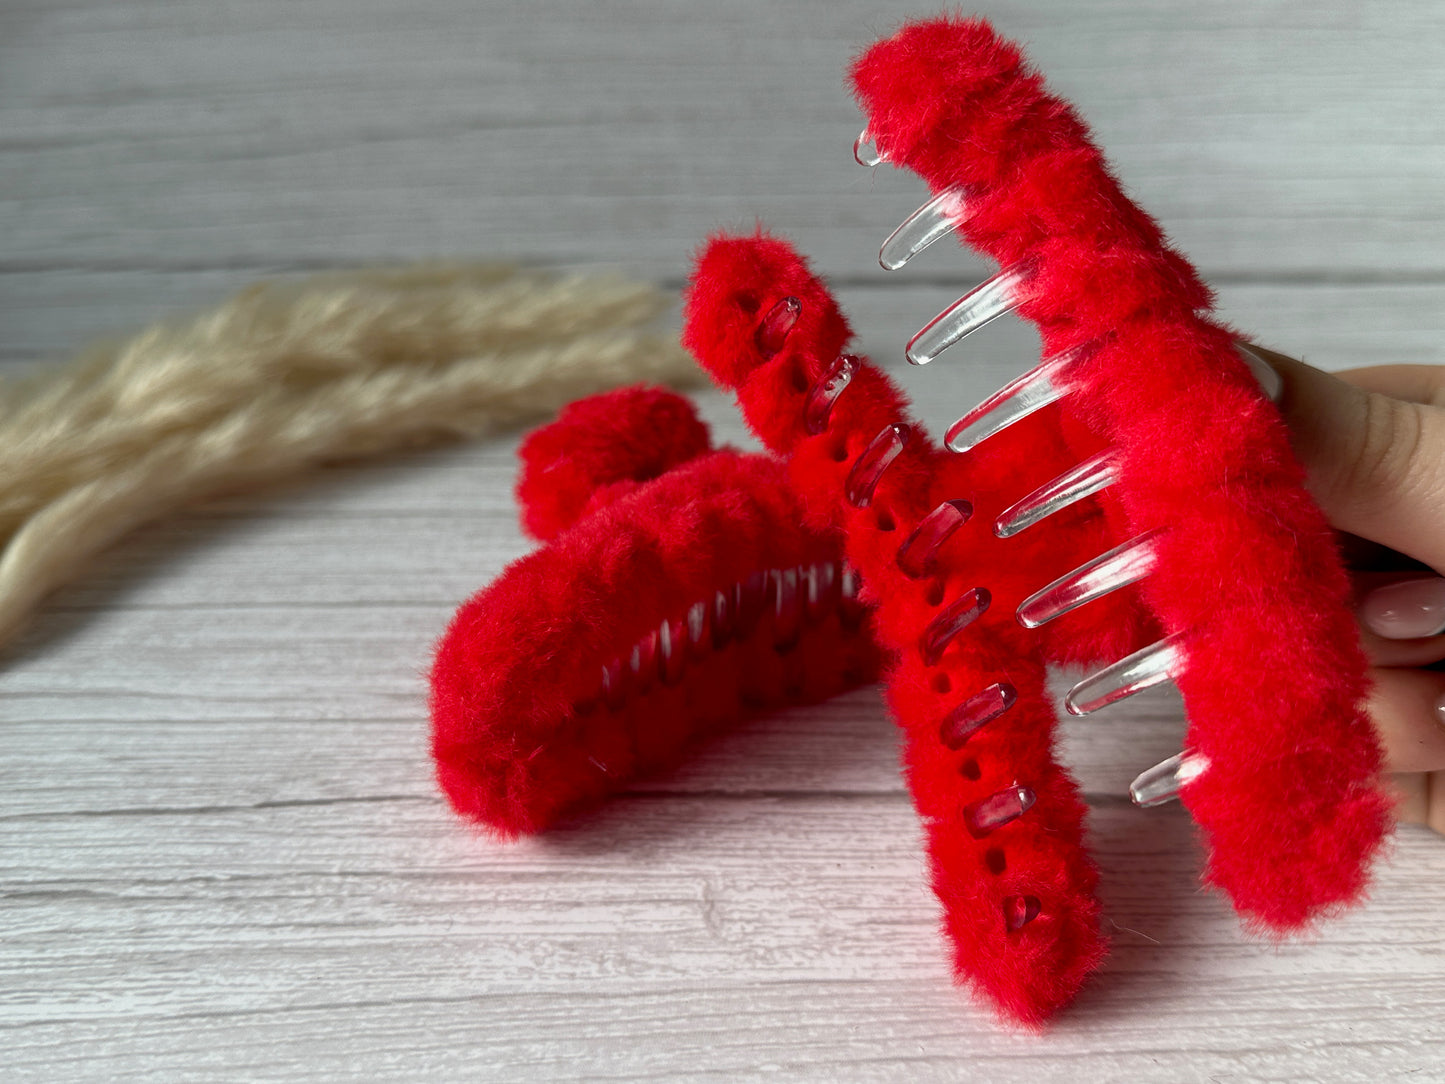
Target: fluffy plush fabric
{"x": 1247, "y": 573}
{"x": 1025, "y": 972}
{"x": 627, "y": 437}
{"x": 525, "y": 726}
{"x": 285, "y": 376}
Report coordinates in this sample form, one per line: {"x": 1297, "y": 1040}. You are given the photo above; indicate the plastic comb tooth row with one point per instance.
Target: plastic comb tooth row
{"x": 1189, "y": 552}
{"x": 677, "y": 591}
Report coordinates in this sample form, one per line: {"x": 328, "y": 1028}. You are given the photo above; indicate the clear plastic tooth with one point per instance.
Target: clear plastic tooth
{"x": 671, "y": 651}
{"x": 825, "y": 392}
{"x": 864, "y": 151}
{"x": 933, "y": 220}
{"x": 788, "y": 609}
{"x": 1265, "y": 374}
{"x": 1088, "y": 478}
{"x": 999, "y": 809}
{"x": 643, "y": 662}
{"x": 919, "y": 552}
{"x": 974, "y": 713}
{"x": 1150, "y": 666}
{"x": 614, "y": 688}
{"x": 960, "y": 613}
{"x": 1110, "y": 571}
{"x": 749, "y": 600}
{"x": 821, "y": 582}
{"x": 850, "y": 611}
{"x": 970, "y": 312}
{"x": 722, "y": 619}
{"x": 775, "y": 327}
{"x": 697, "y": 631}
{"x": 1163, "y": 782}
{"x": 1037, "y": 388}
{"x": 1019, "y": 911}
{"x": 870, "y": 465}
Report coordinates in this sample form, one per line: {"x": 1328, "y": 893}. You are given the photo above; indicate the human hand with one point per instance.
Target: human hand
{"x": 1373, "y": 443}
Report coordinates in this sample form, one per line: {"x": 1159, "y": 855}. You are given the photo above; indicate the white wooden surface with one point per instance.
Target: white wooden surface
{"x": 223, "y": 857}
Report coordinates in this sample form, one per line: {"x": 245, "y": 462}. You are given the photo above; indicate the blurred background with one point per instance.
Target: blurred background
{"x": 158, "y": 154}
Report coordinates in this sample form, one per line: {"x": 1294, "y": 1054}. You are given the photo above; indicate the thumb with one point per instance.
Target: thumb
{"x": 1375, "y": 463}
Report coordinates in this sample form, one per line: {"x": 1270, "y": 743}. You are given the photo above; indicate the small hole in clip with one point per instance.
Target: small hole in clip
{"x": 994, "y": 859}
{"x": 941, "y": 684}
{"x": 840, "y": 452}
{"x": 969, "y": 769}
{"x": 886, "y": 522}
{"x": 935, "y": 593}
{"x": 800, "y": 382}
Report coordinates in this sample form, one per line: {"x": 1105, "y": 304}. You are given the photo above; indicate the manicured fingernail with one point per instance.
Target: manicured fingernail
{"x": 1270, "y": 382}
{"x": 1407, "y": 610}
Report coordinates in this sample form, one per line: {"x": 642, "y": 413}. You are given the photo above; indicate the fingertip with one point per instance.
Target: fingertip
{"x": 1314, "y": 403}
{"x": 1375, "y": 463}
{"x": 1266, "y": 375}
{"x": 1410, "y": 609}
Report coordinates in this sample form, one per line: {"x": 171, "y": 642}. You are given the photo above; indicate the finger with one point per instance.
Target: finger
{"x": 1405, "y": 706}
{"x": 1402, "y": 653}
{"x": 1412, "y": 792}
{"x": 1362, "y": 555}
{"x": 1412, "y": 383}
{"x": 1421, "y": 799}
{"x": 1375, "y": 463}
{"x": 1402, "y": 617}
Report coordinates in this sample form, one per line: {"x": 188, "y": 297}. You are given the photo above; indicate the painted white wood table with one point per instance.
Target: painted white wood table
{"x": 221, "y": 853}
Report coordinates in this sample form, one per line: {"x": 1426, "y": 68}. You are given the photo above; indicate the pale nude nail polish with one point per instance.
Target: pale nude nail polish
{"x": 1270, "y": 382}
{"x": 1406, "y": 610}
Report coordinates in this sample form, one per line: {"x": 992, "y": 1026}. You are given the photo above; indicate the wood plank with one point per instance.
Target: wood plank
{"x": 191, "y": 136}
{"x": 657, "y": 940}
{"x": 112, "y": 748}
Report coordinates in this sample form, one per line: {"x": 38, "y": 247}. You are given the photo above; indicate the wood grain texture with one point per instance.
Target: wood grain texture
{"x": 221, "y": 853}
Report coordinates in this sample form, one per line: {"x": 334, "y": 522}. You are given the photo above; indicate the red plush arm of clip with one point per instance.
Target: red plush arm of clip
{"x": 1245, "y": 574}
{"x": 1005, "y": 822}
{"x": 679, "y": 592}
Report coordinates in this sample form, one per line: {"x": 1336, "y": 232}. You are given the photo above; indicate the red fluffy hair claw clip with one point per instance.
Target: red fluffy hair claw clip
{"x": 678, "y": 591}
{"x": 1143, "y": 516}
